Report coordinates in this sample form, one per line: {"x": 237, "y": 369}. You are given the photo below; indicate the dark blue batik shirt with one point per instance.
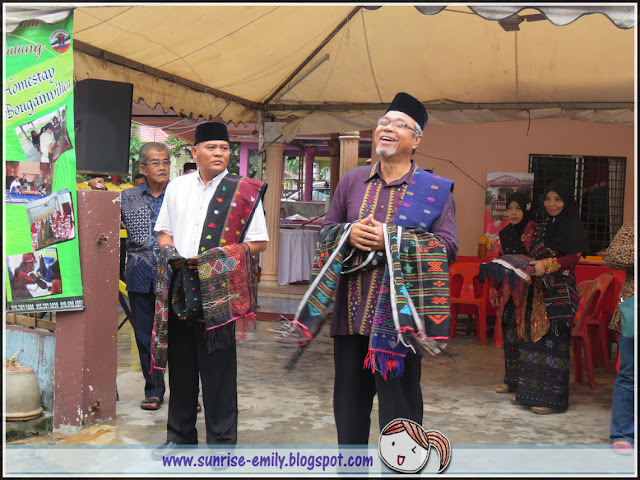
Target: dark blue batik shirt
{"x": 139, "y": 211}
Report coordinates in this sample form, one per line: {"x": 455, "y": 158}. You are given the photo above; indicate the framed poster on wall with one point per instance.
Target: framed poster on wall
{"x": 499, "y": 186}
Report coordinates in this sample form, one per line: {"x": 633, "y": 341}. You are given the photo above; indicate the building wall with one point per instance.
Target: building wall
{"x": 38, "y": 352}
{"x": 505, "y": 146}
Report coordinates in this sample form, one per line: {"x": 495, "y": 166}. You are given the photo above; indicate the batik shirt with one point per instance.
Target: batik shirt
{"x": 620, "y": 256}
{"x": 362, "y": 189}
{"x": 139, "y": 211}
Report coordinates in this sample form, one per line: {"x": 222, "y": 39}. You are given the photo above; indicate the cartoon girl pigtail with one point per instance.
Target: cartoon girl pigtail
{"x": 441, "y": 443}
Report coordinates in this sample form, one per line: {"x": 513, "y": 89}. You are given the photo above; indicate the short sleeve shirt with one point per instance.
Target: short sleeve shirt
{"x": 185, "y": 209}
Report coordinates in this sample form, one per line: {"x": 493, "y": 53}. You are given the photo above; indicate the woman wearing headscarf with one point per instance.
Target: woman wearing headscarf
{"x": 515, "y": 238}
{"x": 558, "y": 242}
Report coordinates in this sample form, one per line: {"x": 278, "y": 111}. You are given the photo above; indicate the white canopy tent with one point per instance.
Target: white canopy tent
{"x": 336, "y": 66}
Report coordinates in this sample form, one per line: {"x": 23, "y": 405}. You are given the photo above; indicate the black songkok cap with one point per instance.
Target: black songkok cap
{"x": 189, "y": 166}
{"x": 211, "y": 131}
{"x": 405, "y": 103}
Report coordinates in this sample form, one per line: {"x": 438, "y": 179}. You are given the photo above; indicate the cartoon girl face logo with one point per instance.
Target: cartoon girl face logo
{"x": 404, "y": 446}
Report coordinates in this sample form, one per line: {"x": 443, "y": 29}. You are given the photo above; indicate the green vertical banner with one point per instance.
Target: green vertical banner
{"x": 42, "y": 262}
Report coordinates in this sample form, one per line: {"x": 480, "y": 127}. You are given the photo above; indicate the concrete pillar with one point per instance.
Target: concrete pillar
{"x": 348, "y": 151}
{"x": 244, "y": 159}
{"x": 275, "y": 164}
{"x": 309, "y": 158}
{"x": 86, "y": 341}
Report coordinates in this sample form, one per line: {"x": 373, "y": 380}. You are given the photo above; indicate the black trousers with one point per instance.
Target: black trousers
{"x": 188, "y": 359}
{"x": 355, "y": 387}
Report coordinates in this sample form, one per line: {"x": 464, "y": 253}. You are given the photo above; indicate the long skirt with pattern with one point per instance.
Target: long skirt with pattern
{"x": 511, "y": 344}
{"x": 543, "y": 378}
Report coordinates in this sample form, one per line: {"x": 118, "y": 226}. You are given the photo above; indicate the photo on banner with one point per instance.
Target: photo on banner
{"x": 26, "y": 182}
{"x": 499, "y": 186}
{"x": 44, "y": 139}
{"x": 41, "y": 244}
{"x": 35, "y": 275}
{"x": 51, "y": 220}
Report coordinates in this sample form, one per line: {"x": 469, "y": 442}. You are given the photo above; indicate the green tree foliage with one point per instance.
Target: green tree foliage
{"x": 254, "y": 162}
{"x": 178, "y": 147}
{"x": 291, "y": 165}
{"x": 234, "y": 161}
{"x": 134, "y": 149}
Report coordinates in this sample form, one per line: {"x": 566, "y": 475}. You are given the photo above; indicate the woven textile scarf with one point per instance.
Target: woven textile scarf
{"x": 555, "y": 301}
{"x": 412, "y": 312}
{"x": 226, "y": 295}
{"x": 513, "y": 273}
{"x": 222, "y": 254}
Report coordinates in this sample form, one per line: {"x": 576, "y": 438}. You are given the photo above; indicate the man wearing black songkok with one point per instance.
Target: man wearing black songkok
{"x": 394, "y": 194}
{"x": 204, "y": 213}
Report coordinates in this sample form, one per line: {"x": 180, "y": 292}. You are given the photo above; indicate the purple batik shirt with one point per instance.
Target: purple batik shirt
{"x": 356, "y": 293}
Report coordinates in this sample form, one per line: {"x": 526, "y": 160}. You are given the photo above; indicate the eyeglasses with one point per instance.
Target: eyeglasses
{"x": 156, "y": 163}
{"x": 384, "y": 121}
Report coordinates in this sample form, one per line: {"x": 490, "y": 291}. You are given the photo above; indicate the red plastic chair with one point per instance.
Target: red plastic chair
{"x": 466, "y": 289}
{"x": 580, "y": 335}
{"x": 598, "y": 320}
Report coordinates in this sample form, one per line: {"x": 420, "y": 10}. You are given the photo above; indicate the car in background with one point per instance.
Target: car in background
{"x": 320, "y": 193}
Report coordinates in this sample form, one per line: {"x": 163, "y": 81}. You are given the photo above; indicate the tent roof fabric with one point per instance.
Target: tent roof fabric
{"x": 332, "y": 65}
{"x": 622, "y": 16}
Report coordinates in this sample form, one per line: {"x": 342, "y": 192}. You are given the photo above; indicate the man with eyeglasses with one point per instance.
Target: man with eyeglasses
{"x": 139, "y": 208}
{"x": 370, "y": 356}
{"x": 210, "y": 225}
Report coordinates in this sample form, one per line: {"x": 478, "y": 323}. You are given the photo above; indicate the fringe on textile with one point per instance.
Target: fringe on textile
{"x": 225, "y": 335}
{"x": 423, "y": 343}
{"x": 220, "y": 337}
{"x": 387, "y": 363}
{"x": 305, "y": 334}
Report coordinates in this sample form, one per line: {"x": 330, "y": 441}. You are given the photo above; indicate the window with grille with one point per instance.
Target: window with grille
{"x": 598, "y": 184}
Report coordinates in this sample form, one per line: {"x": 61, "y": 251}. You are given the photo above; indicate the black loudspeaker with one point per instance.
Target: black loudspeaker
{"x": 102, "y": 126}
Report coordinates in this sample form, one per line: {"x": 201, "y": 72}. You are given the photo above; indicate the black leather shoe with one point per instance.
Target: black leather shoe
{"x": 168, "y": 449}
